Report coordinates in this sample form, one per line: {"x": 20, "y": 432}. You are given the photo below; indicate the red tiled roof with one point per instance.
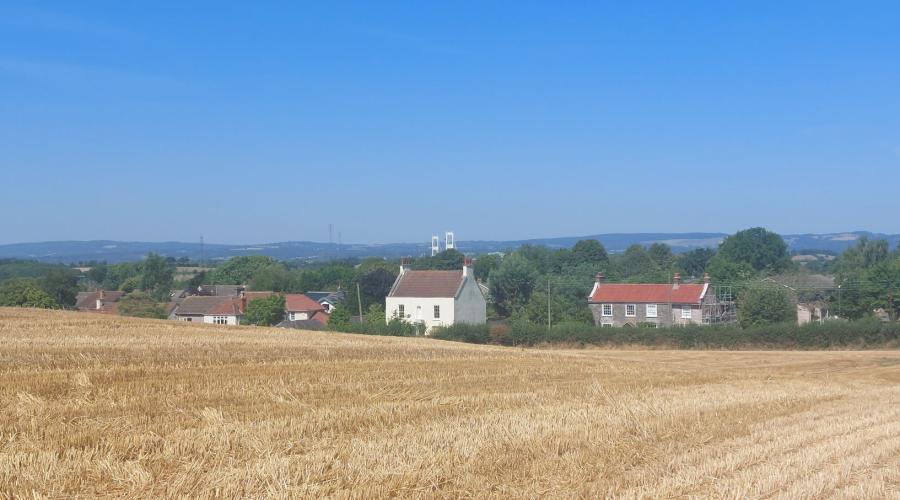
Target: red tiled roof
{"x": 209, "y": 305}
{"x": 321, "y": 317}
{"x": 297, "y": 302}
{"x": 611, "y": 293}
{"x": 427, "y": 284}
{"x": 226, "y": 308}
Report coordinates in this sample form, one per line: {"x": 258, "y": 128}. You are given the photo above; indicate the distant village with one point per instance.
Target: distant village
{"x": 751, "y": 278}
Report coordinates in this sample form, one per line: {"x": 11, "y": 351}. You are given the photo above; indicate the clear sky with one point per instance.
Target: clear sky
{"x": 263, "y": 121}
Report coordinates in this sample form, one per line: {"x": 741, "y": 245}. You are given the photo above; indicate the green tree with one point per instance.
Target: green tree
{"x": 267, "y": 311}
{"x": 25, "y": 292}
{"x": 763, "y": 250}
{"x": 239, "y": 270}
{"x": 141, "y": 305}
{"x": 375, "y": 285}
{"x": 588, "y": 252}
{"x": 273, "y": 277}
{"x": 765, "y": 304}
{"x": 448, "y": 260}
{"x": 484, "y": 264}
{"x": 375, "y": 317}
{"x": 882, "y": 285}
{"x": 511, "y": 284}
{"x": 723, "y": 270}
{"x": 694, "y": 263}
{"x": 61, "y": 285}
{"x": 97, "y": 273}
{"x": 341, "y": 319}
{"x": 661, "y": 254}
{"x": 156, "y": 276}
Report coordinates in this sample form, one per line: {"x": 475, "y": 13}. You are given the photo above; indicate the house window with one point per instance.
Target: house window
{"x": 630, "y": 310}
{"x": 437, "y": 312}
{"x": 292, "y": 316}
{"x": 685, "y": 312}
{"x": 651, "y": 310}
{"x": 607, "y": 325}
{"x": 401, "y": 311}
{"x": 607, "y": 310}
{"x": 220, "y": 320}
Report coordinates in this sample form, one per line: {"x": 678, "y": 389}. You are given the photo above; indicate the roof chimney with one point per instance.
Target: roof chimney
{"x": 404, "y": 265}
{"x": 676, "y": 281}
{"x": 599, "y": 278}
{"x": 467, "y": 263}
{"x": 706, "y": 277}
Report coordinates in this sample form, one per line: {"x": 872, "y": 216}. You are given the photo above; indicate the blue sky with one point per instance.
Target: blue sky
{"x": 394, "y": 121}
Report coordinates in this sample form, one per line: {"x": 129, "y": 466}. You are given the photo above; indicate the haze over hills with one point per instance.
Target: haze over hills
{"x": 119, "y": 251}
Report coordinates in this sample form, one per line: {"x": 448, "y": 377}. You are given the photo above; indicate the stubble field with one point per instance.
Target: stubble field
{"x": 94, "y": 405}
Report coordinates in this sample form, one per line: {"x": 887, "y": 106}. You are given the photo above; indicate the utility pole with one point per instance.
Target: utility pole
{"x": 548, "y": 302}
{"x": 359, "y": 302}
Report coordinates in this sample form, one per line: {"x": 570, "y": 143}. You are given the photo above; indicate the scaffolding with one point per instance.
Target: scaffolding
{"x": 722, "y": 309}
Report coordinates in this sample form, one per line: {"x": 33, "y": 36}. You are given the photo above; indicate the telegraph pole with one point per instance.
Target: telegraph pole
{"x": 548, "y": 303}
{"x": 359, "y": 302}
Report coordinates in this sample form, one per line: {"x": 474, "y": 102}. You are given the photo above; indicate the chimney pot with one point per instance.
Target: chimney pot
{"x": 676, "y": 281}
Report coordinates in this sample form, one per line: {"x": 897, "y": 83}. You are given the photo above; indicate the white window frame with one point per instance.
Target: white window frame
{"x": 603, "y": 310}
{"x": 401, "y": 311}
{"x": 220, "y": 320}
{"x": 606, "y": 325}
{"x": 655, "y": 311}
{"x": 687, "y": 312}
{"x": 633, "y": 308}
{"x": 437, "y": 311}
{"x": 291, "y": 315}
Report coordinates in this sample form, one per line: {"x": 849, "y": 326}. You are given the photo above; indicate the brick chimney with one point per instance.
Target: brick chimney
{"x": 467, "y": 266}
{"x": 100, "y": 297}
{"x": 676, "y": 281}
{"x": 404, "y": 265}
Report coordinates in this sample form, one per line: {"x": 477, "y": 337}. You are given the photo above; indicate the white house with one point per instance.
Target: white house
{"x": 216, "y": 310}
{"x": 436, "y": 298}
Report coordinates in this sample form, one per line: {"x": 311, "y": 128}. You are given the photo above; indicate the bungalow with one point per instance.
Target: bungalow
{"x": 299, "y": 307}
{"x": 436, "y": 298}
{"x": 651, "y": 305}
{"x": 217, "y": 310}
{"x": 100, "y": 301}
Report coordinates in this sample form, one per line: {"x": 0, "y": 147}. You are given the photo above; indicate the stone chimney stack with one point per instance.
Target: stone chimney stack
{"x": 467, "y": 267}
{"x": 404, "y": 265}
{"x": 676, "y": 281}
{"x": 706, "y": 278}
{"x": 599, "y": 278}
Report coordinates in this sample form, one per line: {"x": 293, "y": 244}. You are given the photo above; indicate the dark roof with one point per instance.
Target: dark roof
{"x": 200, "y": 305}
{"x": 618, "y": 293}
{"x": 427, "y": 284}
{"x": 332, "y": 297}
{"x": 88, "y": 300}
{"x": 221, "y": 290}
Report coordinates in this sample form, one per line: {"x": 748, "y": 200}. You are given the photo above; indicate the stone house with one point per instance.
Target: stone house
{"x": 652, "y": 305}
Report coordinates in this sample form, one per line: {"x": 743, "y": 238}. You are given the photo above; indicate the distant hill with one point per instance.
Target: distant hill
{"x": 121, "y": 251}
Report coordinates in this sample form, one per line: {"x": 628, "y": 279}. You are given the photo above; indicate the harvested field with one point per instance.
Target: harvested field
{"x": 93, "y": 405}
